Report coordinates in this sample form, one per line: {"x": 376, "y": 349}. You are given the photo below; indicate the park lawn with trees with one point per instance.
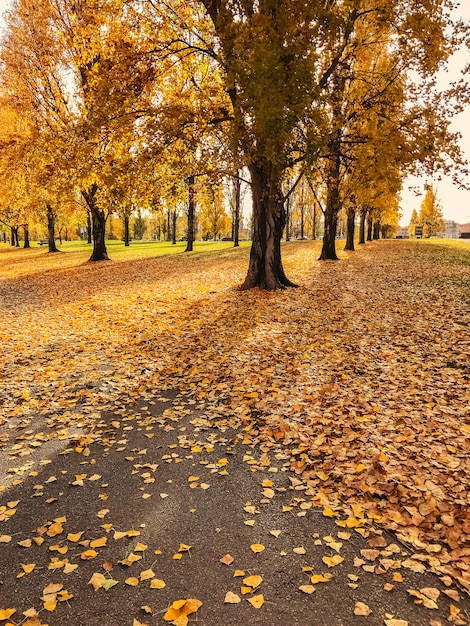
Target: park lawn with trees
{"x": 361, "y": 379}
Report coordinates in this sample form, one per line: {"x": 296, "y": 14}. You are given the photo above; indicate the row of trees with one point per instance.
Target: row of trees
{"x": 320, "y": 107}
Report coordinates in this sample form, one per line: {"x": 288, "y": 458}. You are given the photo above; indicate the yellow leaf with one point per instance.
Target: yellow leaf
{"x": 232, "y": 598}
{"x": 360, "y": 468}
{"x": 132, "y": 581}
{"x": 307, "y": 588}
{"x": 320, "y": 578}
{"x": 99, "y": 543}
{"x": 6, "y": 613}
{"x": 5, "y": 539}
{"x": 257, "y": 547}
{"x": 184, "y": 548}
{"x": 257, "y": 601}
{"x": 329, "y": 513}
{"x": 146, "y": 574}
{"x": 96, "y": 581}
{"x": 157, "y": 583}
{"x": 300, "y": 550}
{"x": 88, "y": 554}
{"x": 331, "y": 561}
{"x": 28, "y": 568}
{"x": 74, "y": 536}
{"x": 253, "y": 581}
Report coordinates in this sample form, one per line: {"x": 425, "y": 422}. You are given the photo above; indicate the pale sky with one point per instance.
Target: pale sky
{"x": 455, "y": 202}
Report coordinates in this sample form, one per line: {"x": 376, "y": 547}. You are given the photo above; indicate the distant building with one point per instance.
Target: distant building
{"x": 452, "y": 230}
{"x": 464, "y": 231}
{"x": 402, "y": 232}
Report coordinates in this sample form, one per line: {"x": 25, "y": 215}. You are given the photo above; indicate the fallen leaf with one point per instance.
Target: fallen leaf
{"x": 231, "y": 598}
{"x": 361, "y": 609}
{"x": 257, "y": 601}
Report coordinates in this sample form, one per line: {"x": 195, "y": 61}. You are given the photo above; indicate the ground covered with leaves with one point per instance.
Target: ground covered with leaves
{"x": 291, "y": 447}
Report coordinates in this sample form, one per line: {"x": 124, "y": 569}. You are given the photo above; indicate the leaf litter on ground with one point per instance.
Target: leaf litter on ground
{"x": 360, "y": 377}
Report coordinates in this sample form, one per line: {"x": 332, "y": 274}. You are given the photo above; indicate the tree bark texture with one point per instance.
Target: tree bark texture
{"x": 15, "y": 240}
{"x": 351, "y": 223}
{"x": 265, "y": 269}
{"x": 98, "y": 222}
{"x": 370, "y": 224}
{"x": 126, "y": 230}
{"x": 377, "y": 230}
{"x": 191, "y": 214}
{"x": 26, "y": 236}
{"x": 333, "y": 203}
{"x": 88, "y": 228}
{"x": 362, "y": 226}
{"x": 173, "y": 218}
{"x": 237, "y": 211}
{"x": 51, "y": 229}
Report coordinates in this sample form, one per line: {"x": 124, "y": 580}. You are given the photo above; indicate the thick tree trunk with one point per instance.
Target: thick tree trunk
{"x": 126, "y": 230}
{"x": 191, "y": 214}
{"x": 51, "y": 229}
{"x": 333, "y": 202}
{"x": 265, "y": 269}
{"x": 362, "y": 226}
{"x": 98, "y": 221}
{"x": 370, "y": 223}
{"x": 237, "y": 211}
{"x": 15, "y": 240}
{"x": 26, "y": 236}
{"x": 351, "y": 223}
{"x": 377, "y": 230}
{"x": 89, "y": 233}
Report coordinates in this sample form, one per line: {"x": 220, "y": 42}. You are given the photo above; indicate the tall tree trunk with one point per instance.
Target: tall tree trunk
{"x": 174, "y": 227}
{"x": 191, "y": 214}
{"x": 333, "y": 173}
{"x": 314, "y": 226}
{"x": 26, "y": 236}
{"x": 288, "y": 217}
{"x": 168, "y": 228}
{"x": 332, "y": 206}
{"x": 370, "y": 223}
{"x": 89, "y": 234}
{"x": 51, "y": 229}
{"x": 351, "y": 223}
{"x": 377, "y": 230}
{"x": 126, "y": 230}
{"x": 302, "y": 222}
{"x": 237, "y": 210}
{"x": 265, "y": 268}
{"x": 362, "y": 225}
{"x": 333, "y": 202}
{"x": 98, "y": 220}
{"x": 15, "y": 242}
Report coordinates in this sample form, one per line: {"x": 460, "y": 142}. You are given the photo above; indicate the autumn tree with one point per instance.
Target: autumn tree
{"x": 414, "y": 221}
{"x": 430, "y": 214}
